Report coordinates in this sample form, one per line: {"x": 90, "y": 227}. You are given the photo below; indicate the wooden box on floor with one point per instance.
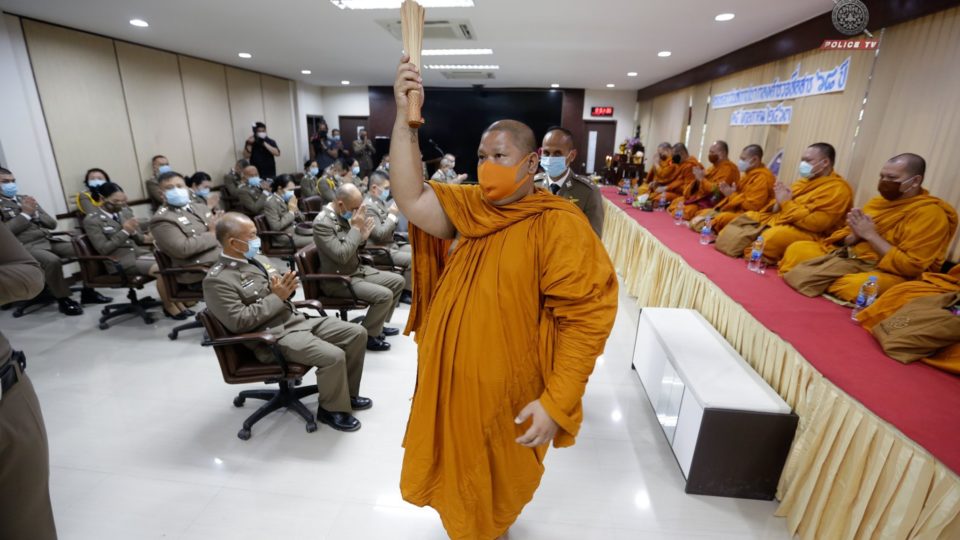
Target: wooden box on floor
{"x": 729, "y": 431}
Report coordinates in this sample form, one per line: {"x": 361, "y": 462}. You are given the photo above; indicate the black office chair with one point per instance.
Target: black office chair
{"x": 239, "y": 365}
{"x": 312, "y": 279}
{"x": 269, "y": 246}
{"x": 178, "y": 292}
{"x": 93, "y": 272}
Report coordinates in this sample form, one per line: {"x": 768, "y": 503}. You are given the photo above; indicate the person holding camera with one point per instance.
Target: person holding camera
{"x": 262, "y": 151}
{"x": 363, "y": 152}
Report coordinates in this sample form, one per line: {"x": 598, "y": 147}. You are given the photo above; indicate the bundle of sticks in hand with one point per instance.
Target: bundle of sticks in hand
{"x": 411, "y": 19}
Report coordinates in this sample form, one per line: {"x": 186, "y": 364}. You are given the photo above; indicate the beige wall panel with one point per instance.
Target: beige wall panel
{"x": 246, "y": 104}
{"x": 278, "y": 115}
{"x": 211, "y": 129}
{"x": 158, "y": 115}
{"x": 83, "y": 105}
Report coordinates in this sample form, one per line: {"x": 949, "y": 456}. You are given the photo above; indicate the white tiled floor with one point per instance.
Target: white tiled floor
{"x": 143, "y": 446}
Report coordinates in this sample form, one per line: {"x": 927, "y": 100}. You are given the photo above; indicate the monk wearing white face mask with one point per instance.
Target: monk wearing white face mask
{"x": 810, "y": 209}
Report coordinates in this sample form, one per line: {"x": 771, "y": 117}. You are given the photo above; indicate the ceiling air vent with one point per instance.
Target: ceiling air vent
{"x": 468, "y": 75}
{"x": 459, "y": 30}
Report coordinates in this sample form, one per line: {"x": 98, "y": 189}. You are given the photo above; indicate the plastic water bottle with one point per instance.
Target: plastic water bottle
{"x": 662, "y": 205}
{"x": 756, "y": 255}
{"x": 706, "y": 234}
{"x": 868, "y": 293}
{"x": 678, "y": 215}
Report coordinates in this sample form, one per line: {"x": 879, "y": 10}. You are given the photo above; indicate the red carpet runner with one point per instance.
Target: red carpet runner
{"x": 920, "y": 401}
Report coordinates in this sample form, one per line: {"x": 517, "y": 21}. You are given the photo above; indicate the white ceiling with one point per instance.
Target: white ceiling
{"x": 577, "y": 43}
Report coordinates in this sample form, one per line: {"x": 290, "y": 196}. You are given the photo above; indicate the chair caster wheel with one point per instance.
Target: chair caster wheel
{"x": 172, "y": 336}
{"x": 311, "y": 427}
{"x": 149, "y": 320}
{"x": 104, "y": 326}
{"x": 244, "y": 434}
{"x": 239, "y": 401}
{"x": 104, "y": 311}
{"x": 17, "y": 314}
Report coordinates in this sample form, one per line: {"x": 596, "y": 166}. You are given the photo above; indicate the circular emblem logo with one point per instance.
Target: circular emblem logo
{"x": 850, "y": 17}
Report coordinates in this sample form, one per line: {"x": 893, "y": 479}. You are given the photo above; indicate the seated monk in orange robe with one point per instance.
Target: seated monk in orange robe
{"x": 751, "y": 192}
{"x": 686, "y": 165}
{"x": 929, "y": 284}
{"x": 510, "y": 335}
{"x": 811, "y": 209}
{"x": 704, "y": 192}
{"x": 905, "y": 231}
{"x": 663, "y": 173}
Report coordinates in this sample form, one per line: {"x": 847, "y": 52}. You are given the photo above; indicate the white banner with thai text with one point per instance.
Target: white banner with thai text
{"x": 810, "y": 84}
{"x": 768, "y": 116}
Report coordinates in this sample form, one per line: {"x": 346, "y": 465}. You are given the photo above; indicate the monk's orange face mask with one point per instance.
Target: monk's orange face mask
{"x": 499, "y": 182}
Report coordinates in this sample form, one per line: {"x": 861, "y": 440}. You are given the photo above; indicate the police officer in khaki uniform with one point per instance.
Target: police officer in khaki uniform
{"x": 245, "y": 293}
{"x": 160, "y": 166}
{"x": 308, "y": 184}
{"x": 231, "y": 185}
{"x": 113, "y": 231}
{"x": 558, "y": 155}
{"x": 184, "y": 231}
{"x": 384, "y": 225}
{"x": 339, "y": 231}
{"x": 283, "y": 216}
{"x": 25, "y": 510}
{"x": 253, "y": 192}
{"x": 23, "y": 216}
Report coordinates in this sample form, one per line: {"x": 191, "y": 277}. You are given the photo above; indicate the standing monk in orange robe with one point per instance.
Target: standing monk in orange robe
{"x": 811, "y": 209}
{"x": 704, "y": 192}
{"x": 514, "y": 325}
{"x": 929, "y": 284}
{"x": 751, "y": 192}
{"x": 905, "y": 231}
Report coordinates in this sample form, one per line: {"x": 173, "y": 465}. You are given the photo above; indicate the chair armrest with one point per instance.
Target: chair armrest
{"x": 344, "y": 280}
{"x": 268, "y": 234}
{"x": 315, "y": 305}
{"x": 262, "y": 338}
{"x": 65, "y": 233}
{"x": 189, "y": 269}
{"x": 310, "y": 215}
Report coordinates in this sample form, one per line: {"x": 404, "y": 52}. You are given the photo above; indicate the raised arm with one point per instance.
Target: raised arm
{"x": 415, "y": 198}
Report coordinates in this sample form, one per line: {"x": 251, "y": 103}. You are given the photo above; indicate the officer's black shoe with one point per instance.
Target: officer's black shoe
{"x": 91, "y": 296}
{"x": 406, "y": 297}
{"x": 69, "y": 307}
{"x": 338, "y": 420}
{"x": 387, "y": 331}
{"x": 360, "y": 403}
{"x": 377, "y": 344}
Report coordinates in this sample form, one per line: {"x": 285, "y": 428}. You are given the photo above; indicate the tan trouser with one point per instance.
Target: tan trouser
{"x": 382, "y": 291}
{"x": 25, "y": 512}
{"x": 48, "y": 254}
{"x": 337, "y": 350}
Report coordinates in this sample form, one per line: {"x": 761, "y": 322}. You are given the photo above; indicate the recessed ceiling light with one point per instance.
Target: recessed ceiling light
{"x": 723, "y": 17}
{"x": 664, "y": 54}
{"x": 555, "y": 85}
{"x": 306, "y": 71}
{"x": 395, "y": 4}
{"x": 139, "y": 23}
{"x": 245, "y": 55}
{"x": 611, "y": 85}
{"x": 345, "y": 83}
{"x": 461, "y": 67}
{"x": 632, "y": 74}
{"x": 456, "y": 52}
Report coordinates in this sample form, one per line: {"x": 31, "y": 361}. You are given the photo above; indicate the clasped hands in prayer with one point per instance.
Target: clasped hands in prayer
{"x": 727, "y": 189}
{"x": 782, "y": 192}
{"x": 284, "y": 286}
{"x": 542, "y": 428}
{"x": 861, "y": 226}
{"x": 363, "y": 223}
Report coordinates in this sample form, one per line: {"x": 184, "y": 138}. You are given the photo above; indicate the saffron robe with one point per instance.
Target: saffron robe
{"x": 521, "y": 310}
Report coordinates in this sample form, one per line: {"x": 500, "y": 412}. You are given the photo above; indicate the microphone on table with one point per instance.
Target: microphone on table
{"x": 436, "y": 147}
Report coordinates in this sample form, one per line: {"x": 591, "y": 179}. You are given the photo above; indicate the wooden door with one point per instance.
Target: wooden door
{"x": 600, "y": 141}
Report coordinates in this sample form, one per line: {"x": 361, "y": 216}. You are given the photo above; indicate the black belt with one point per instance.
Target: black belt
{"x": 8, "y": 372}
{"x": 8, "y": 377}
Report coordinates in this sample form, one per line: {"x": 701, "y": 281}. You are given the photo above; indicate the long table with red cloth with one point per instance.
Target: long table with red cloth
{"x": 920, "y": 401}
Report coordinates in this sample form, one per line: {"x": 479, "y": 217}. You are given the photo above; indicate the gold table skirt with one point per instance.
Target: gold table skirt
{"x": 849, "y": 473}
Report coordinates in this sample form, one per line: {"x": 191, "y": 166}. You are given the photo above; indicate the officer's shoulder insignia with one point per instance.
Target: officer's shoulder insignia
{"x": 215, "y": 269}
{"x": 584, "y": 180}
{"x": 162, "y": 210}
{"x": 540, "y": 177}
